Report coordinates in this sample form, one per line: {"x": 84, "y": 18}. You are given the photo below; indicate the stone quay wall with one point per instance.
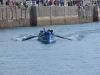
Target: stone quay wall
{"x": 47, "y": 15}
{"x": 98, "y": 14}
{"x": 58, "y": 15}
{"x": 13, "y": 17}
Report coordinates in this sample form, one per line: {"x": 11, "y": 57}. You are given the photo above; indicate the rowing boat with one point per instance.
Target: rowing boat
{"x": 46, "y": 36}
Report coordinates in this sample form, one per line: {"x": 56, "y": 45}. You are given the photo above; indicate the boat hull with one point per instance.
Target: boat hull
{"x": 46, "y": 38}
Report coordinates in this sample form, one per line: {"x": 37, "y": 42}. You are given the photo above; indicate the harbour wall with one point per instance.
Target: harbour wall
{"x": 62, "y": 15}
{"x": 98, "y": 14}
{"x": 47, "y": 15}
{"x": 14, "y": 17}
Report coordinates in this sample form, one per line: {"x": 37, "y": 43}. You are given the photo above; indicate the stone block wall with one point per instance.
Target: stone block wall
{"x": 53, "y": 15}
{"x": 99, "y": 14}
{"x": 47, "y": 15}
{"x": 12, "y": 17}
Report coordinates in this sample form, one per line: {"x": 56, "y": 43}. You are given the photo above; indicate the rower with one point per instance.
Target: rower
{"x": 41, "y": 32}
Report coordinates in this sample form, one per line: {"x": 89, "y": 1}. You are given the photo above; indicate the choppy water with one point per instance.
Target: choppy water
{"x": 81, "y": 56}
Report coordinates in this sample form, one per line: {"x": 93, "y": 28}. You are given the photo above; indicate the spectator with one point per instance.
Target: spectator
{"x": 7, "y": 3}
{"x": 55, "y": 2}
{"x": 16, "y": 3}
{"x": 1, "y": 2}
{"x": 46, "y": 3}
{"x": 37, "y": 2}
{"x": 73, "y": 2}
{"x": 50, "y": 2}
{"x": 58, "y": 2}
{"x": 68, "y": 3}
{"x": 62, "y": 2}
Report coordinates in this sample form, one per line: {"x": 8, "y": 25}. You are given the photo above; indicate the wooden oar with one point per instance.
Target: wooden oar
{"x": 62, "y": 37}
{"x": 30, "y": 37}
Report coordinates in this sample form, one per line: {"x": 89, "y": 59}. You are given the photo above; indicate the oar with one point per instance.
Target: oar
{"x": 30, "y": 37}
{"x": 62, "y": 37}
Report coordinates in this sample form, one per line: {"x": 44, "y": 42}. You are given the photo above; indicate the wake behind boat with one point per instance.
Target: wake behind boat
{"x": 46, "y": 36}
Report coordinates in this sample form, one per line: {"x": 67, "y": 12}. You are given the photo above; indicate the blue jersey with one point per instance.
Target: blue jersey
{"x": 61, "y": 0}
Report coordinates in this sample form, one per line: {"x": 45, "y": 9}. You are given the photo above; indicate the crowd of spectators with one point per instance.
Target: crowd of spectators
{"x": 12, "y": 3}
{"x": 93, "y": 2}
{"x": 75, "y": 3}
{"x": 81, "y": 3}
{"x": 50, "y": 2}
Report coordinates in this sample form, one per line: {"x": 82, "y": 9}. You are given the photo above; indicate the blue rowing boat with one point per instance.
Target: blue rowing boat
{"x": 46, "y": 36}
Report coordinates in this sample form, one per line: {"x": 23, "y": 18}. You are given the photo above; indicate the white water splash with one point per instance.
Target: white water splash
{"x": 21, "y": 37}
{"x": 82, "y": 34}
{"x": 76, "y": 36}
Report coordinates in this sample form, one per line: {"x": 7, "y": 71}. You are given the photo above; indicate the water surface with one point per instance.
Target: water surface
{"x": 81, "y": 56}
